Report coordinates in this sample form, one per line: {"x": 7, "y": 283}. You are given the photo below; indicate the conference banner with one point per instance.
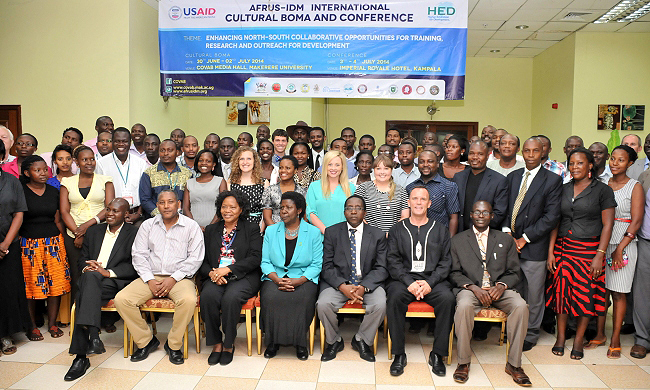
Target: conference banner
{"x": 398, "y": 49}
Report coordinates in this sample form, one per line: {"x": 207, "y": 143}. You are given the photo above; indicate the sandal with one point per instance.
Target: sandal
{"x": 614, "y": 353}
{"x": 8, "y": 346}
{"x": 558, "y": 351}
{"x": 55, "y": 332}
{"x": 595, "y": 343}
{"x": 35, "y": 335}
{"x": 577, "y": 355}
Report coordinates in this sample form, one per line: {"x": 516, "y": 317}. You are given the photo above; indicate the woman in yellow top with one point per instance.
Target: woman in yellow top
{"x": 82, "y": 202}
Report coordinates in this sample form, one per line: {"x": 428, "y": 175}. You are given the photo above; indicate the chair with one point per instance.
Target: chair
{"x": 258, "y": 310}
{"x": 356, "y": 308}
{"x": 246, "y": 310}
{"x": 110, "y": 306}
{"x": 419, "y": 310}
{"x": 491, "y": 314}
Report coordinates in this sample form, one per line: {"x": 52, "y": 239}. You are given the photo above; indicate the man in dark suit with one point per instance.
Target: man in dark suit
{"x": 533, "y": 212}
{"x": 484, "y": 270}
{"x": 480, "y": 183}
{"x": 106, "y": 268}
{"x": 354, "y": 263}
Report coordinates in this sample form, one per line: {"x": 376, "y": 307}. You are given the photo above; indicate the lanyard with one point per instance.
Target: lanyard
{"x": 230, "y": 243}
{"x": 172, "y": 186}
{"x": 128, "y": 168}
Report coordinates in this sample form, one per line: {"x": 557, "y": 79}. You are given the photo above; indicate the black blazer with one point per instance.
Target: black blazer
{"x": 493, "y": 189}
{"x": 467, "y": 266}
{"x": 247, "y": 246}
{"x": 539, "y": 213}
{"x": 337, "y": 257}
{"x": 119, "y": 261}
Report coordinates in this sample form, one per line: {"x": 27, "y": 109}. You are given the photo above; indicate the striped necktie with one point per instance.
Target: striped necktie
{"x": 519, "y": 200}
{"x": 354, "y": 279}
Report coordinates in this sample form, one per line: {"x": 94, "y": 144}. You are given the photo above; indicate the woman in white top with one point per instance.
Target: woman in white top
{"x": 200, "y": 197}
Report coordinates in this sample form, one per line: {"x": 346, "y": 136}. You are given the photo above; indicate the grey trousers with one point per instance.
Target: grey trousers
{"x": 531, "y": 287}
{"x": 641, "y": 290}
{"x": 331, "y": 300}
{"x": 467, "y": 305}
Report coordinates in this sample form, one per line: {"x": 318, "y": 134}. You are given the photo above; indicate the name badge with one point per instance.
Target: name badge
{"x": 128, "y": 196}
{"x": 226, "y": 261}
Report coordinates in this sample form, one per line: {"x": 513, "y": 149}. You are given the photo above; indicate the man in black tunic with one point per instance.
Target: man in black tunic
{"x": 419, "y": 262}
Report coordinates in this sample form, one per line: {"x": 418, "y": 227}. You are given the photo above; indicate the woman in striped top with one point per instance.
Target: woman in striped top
{"x": 386, "y": 202}
{"x": 628, "y": 216}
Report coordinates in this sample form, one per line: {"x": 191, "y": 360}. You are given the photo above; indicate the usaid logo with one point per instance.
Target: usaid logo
{"x": 175, "y": 13}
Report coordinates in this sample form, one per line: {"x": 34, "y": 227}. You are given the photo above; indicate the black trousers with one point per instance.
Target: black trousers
{"x": 74, "y": 254}
{"x": 221, "y": 307}
{"x": 94, "y": 290}
{"x": 443, "y": 302}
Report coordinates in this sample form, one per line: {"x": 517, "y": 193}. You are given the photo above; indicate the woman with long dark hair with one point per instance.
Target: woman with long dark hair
{"x": 304, "y": 175}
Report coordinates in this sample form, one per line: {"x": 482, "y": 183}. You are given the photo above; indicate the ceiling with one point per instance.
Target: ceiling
{"x": 492, "y": 24}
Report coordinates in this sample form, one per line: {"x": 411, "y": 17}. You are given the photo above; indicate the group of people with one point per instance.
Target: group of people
{"x": 460, "y": 225}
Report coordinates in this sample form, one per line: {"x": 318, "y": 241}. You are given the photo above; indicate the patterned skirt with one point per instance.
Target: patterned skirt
{"x": 45, "y": 267}
{"x": 572, "y": 290}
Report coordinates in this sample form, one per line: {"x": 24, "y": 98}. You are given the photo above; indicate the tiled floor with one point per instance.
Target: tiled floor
{"x": 41, "y": 365}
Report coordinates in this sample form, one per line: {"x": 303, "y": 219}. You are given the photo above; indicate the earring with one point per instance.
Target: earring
{"x": 590, "y": 174}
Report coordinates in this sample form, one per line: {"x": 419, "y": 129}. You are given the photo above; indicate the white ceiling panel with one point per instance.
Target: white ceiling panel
{"x": 645, "y": 18}
{"x": 478, "y": 36}
{"x": 536, "y": 15}
{"x": 548, "y": 36}
{"x": 512, "y": 34}
{"x": 604, "y": 27}
{"x": 492, "y": 13}
{"x": 593, "y": 4}
{"x": 490, "y": 25}
{"x": 513, "y": 23}
{"x": 561, "y": 26}
{"x": 471, "y": 5}
{"x": 500, "y": 4}
{"x": 537, "y": 44}
{"x": 635, "y": 27}
{"x": 526, "y": 51}
{"x": 499, "y": 43}
{"x": 485, "y": 52}
{"x": 543, "y": 4}
{"x": 590, "y": 15}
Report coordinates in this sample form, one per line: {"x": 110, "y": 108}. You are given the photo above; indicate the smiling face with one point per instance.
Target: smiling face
{"x": 496, "y": 139}
{"x": 478, "y": 156}
{"x": 86, "y": 161}
{"x": 334, "y": 167}
{"x": 190, "y": 147}
{"x": 63, "y": 161}
{"x": 286, "y": 170}
{"x": 279, "y": 144}
{"x": 168, "y": 152}
{"x": 487, "y": 133}
{"x": 508, "y": 146}
{"x": 168, "y": 205}
{"x": 25, "y": 146}
{"x": 265, "y": 150}
{"x": 481, "y": 215}
{"x": 382, "y": 172}
{"x": 105, "y": 143}
{"x": 619, "y": 162}
{"x": 428, "y": 164}
{"x": 316, "y": 138}
{"x": 393, "y": 138}
{"x": 37, "y": 172}
{"x": 349, "y": 137}
{"x": 246, "y": 161}
{"x": 206, "y": 163}
{"x": 138, "y": 133}
{"x": 105, "y": 124}
{"x": 419, "y": 202}
{"x": 301, "y": 154}
{"x": 600, "y": 154}
{"x": 230, "y": 210}
{"x": 364, "y": 164}
{"x": 116, "y": 212}
{"x": 263, "y": 132}
{"x": 121, "y": 144}
{"x": 579, "y": 166}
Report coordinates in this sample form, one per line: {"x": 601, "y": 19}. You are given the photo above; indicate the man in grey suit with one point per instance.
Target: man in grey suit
{"x": 485, "y": 267}
{"x": 641, "y": 164}
{"x": 354, "y": 270}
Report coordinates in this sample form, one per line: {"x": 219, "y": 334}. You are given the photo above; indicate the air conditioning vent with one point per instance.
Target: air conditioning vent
{"x": 575, "y": 16}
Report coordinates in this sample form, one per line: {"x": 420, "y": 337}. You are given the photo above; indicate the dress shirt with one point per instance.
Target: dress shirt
{"x": 401, "y": 178}
{"x": 606, "y": 175}
{"x": 177, "y": 252}
{"x": 12, "y": 168}
{"x": 107, "y": 248}
{"x": 496, "y": 166}
{"x": 357, "y": 239}
{"x": 558, "y": 169}
{"x": 183, "y": 163}
{"x": 320, "y": 155}
{"x": 226, "y": 169}
{"x": 471, "y": 189}
{"x": 353, "y": 158}
{"x": 533, "y": 173}
{"x": 92, "y": 144}
{"x": 276, "y": 158}
{"x": 481, "y": 236}
{"x": 134, "y": 151}
{"x": 644, "y": 232}
{"x": 126, "y": 177}
{"x": 443, "y": 194}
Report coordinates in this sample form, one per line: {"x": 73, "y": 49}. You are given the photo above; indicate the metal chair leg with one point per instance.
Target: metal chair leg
{"x": 312, "y": 329}
{"x": 322, "y": 338}
{"x": 374, "y": 344}
{"x": 451, "y": 343}
{"x": 197, "y": 330}
{"x": 258, "y": 330}
{"x": 185, "y": 343}
{"x": 249, "y": 331}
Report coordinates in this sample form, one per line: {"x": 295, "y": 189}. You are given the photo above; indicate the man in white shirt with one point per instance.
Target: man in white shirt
{"x": 317, "y": 139}
{"x": 167, "y": 252}
{"x": 126, "y": 171}
{"x": 138, "y": 134}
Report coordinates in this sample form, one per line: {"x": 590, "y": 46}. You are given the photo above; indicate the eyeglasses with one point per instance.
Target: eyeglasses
{"x": 353, "y": 208}
{"x": 28, "y": 144}
{"x": 105, "y": 141}
{"x": 481, "y": 213}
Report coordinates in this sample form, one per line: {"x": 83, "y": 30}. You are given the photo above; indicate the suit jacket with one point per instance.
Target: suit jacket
{"x": 337, "y": 257}
{"x": 247, "y": 246}
{"x": 644, "y": 179}
{"x": 307, "y": 259}
{"x": 119, "y": 261}
{"x": 467, "y": 266}
{"x": 539, "y": 213}
{"x": 493, "y": 189}
{"x": 636, "y": 169}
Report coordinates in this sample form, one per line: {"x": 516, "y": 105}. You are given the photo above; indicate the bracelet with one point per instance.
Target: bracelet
{"x": 602, "y": 251}
{"x": 97, "y": 219}
{"x": 631, "y": 235}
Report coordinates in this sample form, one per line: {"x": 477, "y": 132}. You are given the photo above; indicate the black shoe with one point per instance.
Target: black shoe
{"x": 627, "y": 329}
{"x": 528, "y": 345}
{"x": 78, "y": 369}
{"x": 175, "y": 356}
{"x": 480, "y": 333}
{"x": 437, "y": 364}
{"x": 226, "y": 357}
{"x": 331, "y": 350}
{"x": 95, "y": 347}
{"x": 142, "y": 353}
{"x": 214, "y": 358}
{"x": 302, "y": 353}
{"x": 549, "y": 328}
{"x": 271, "y": 351}
{"x": 398, "y": 364}
{"x": 365, "y": 351}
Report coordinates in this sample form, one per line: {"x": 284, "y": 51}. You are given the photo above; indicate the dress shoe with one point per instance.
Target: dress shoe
{"x": 95, "y": 347}
{"x": 78, "y": 369}
{"x": 398, "y": 364}
{"x": 226, "y": 357}
{"x": 331, "y": 350}
{"x": 518, "y": 375}
{"x": 638, "y": 351}
{"x": 271, "y": 351}
{"x": 302, "y": 353}
{"x": 528, "y": 345}
{"x": 549, "y": 328}
{"x": 437, "y": 364}
{"x": 365, "y": 352}
{"x": 480, "y": 334}
{"x": 461, "y": 375}
{"x": 214, "y": 358}
{"x": 175, "y": 356}
{"x": 627, "y": 329}
{"x": 142, "y": 353}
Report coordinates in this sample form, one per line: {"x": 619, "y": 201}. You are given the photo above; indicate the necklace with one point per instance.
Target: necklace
{"x": 291, "y": 233}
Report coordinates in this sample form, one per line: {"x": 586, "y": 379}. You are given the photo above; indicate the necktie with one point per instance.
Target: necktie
{"x": 479, "y": 238}
{"x": 317, "y": 163}
{"x": 519, "y": 201}
{"x": 485, "y": 282}
{"x": 353, "y": 267}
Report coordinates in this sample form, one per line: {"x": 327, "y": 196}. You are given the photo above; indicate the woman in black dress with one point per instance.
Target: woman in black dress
{"x": 230, "y": 273}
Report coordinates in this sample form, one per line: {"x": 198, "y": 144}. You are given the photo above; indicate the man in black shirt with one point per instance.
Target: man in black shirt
{"x": 419, "y": 262}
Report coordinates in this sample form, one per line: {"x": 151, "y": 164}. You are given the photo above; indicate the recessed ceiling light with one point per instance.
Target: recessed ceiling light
{"x": 521, "y": 27}
{"x": 495, "y": 51}
{"x": 625, "y": 11}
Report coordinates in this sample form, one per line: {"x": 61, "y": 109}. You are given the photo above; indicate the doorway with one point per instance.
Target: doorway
{"x": 416, "y": 129}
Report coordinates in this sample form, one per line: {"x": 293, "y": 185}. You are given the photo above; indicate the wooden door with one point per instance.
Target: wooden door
{"x": 10, "y": 118}
{"x": 417, "y": 129}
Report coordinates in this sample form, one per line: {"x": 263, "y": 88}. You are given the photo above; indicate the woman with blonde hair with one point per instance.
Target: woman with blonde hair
{"x": 386, "y": 202}
{"x": 326, "y": 197}
{"x": 246, "y": 177}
